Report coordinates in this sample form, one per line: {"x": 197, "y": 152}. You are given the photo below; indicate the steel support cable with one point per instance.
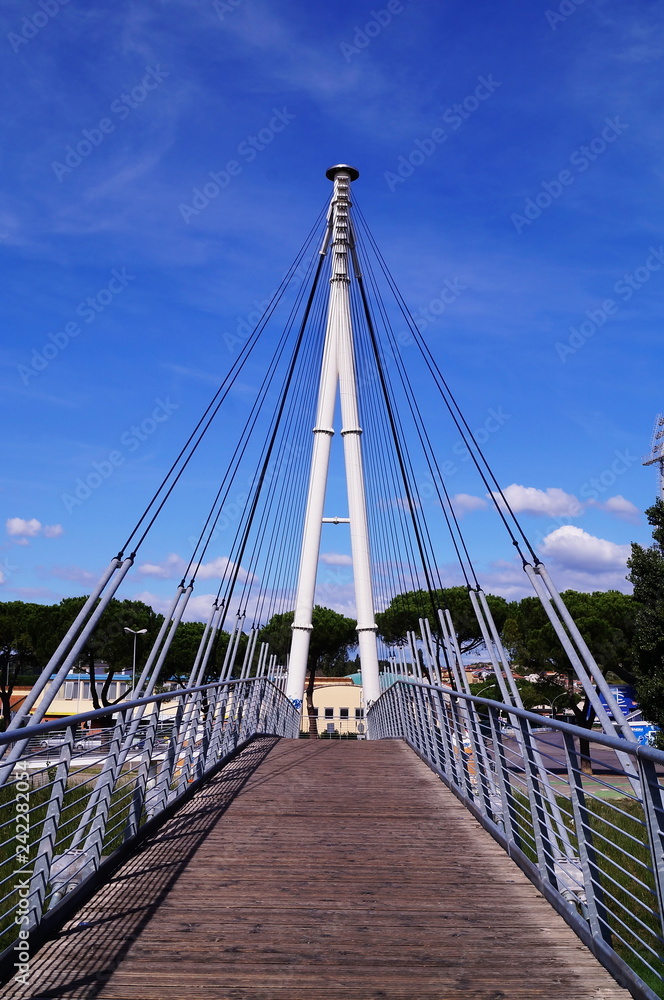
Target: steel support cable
{"x": 373, "y": 417}
{"x": 395, "y": 437}
{"x": 213, "y": 406}
{"x": 423, "y": 435}
{"x": 418, "y": 512}
{"x": 228, "y": 578}
{"x": 248, "y": 428}
{"x": 425, "y": 440}
{"x": 238, "y": 536}
{"x": 283, "y": 597}
{"x": 277, "y": 421}
{"x": 116, "y": 563}
{"x": 402, "y": 452}
{"x": 452, "y": 405}
{"x": 404, "y": 517}
{"x": 63, "y": 646}
{"x": 295, "y": 410}
{"x": 290, "y": 497}
{"x": 559, "y": 609}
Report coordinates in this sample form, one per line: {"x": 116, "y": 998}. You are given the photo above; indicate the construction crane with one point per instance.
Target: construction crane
{"x": 656, "y": 456}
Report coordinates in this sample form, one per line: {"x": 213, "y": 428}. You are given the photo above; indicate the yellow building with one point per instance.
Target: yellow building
{"x": 339, "y": 706}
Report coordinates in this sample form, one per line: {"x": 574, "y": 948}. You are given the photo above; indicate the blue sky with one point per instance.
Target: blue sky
{"x": 529, "y": 145}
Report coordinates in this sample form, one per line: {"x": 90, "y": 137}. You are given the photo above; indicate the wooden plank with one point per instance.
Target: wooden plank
{"x": 339, "y": 870}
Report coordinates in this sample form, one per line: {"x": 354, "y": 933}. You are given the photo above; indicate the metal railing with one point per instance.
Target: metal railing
{"x": 588, "y": 831}
{"x": 71, "y": 797}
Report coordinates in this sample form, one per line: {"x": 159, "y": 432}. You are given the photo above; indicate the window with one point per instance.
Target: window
{"x": 86, "y": 689}
{"x": 359, "y": 713}
{"x": 314, "y": 712}
{"x": 343, "y": 713}
{"x": 71, "y": 690}
{"x": 329, "y": 713}
{"x": 122, "y": 688}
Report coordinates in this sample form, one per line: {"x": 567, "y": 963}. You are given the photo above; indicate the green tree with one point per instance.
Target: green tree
{"x": 606, "y": 621}
{"x": 333, "y": 635}
{"x": 403, "y": 613}
{"x": 17, "y": 653}
{"x": 109, "y": 643}
{"x": 646, "y": 573}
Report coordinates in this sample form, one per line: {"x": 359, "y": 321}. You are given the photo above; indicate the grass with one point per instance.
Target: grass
{"x": 621, "y": 867}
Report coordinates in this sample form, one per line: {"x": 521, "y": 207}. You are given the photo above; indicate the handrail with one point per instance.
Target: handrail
{"x": 28, "y": 732}
{"x": 588, "y": 831}
{"x": 65, "y": 812}
{"x": 597, "y": 736}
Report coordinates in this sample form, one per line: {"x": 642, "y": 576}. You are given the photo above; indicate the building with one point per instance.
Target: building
{"x": 338, "y": 704}
{"x": 74, "y": 694}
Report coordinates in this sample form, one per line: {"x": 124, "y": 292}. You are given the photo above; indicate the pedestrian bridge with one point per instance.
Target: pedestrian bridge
{"x": 227, "y": 859}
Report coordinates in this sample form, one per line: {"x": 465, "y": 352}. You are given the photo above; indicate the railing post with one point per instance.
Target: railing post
{"x": 597, "y": 917}
{"x": 161, "y": 792}
{"x": 94, "y": 841}
{"x": 653, "y": 808}
{"x": 441, "y": 713}
{"x": 49, "y": 833}
{"x": 537, "y": 807}
{"x": 504, "y": 782}
{"x": 138, "y": 797}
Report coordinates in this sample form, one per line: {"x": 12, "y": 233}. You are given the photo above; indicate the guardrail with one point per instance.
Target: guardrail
{"x": 66, "y": 807}
{"x": 585, "y": 828}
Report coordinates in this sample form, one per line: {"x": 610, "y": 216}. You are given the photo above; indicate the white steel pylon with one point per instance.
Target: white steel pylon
{"x": 338, "y": 368}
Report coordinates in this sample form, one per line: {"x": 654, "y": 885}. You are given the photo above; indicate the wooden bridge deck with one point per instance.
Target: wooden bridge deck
{"x": 319, "y": 870}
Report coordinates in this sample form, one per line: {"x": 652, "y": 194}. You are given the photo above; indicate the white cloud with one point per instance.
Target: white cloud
{"x": 21, "y": 529}
{"x": 20, "y": 526}
{"x": 336, "y": 559}
{"x": 622, "y": 508}
{"x": 464, "y": 503}
{"x": 552, "y": 502}
{"x": 175, "y": 566}
{"x": 574, "y": 548}
{"x": 74, "y": 573}
{"x": 171, "y": 567}
{"x": 53, "y": 530}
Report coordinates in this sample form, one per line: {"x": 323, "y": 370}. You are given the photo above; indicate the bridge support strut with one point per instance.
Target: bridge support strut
{"x": 337, "y": 369}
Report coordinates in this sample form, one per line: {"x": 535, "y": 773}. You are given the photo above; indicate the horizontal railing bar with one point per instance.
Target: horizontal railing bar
{"x": 29, "y": 732}
{"x": 604, "y": 739}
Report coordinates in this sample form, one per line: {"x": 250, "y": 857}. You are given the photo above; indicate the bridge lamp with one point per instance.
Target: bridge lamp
{"x": 135, "y": 633}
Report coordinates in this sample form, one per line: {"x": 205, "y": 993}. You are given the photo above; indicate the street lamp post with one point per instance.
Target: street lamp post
{"x": 135, "y": 633}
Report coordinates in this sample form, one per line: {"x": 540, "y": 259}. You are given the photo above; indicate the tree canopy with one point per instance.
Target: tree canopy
{"x": 333, "y": 635}
{"x": 646, "y": 573}
{"x": 403, "y": 613}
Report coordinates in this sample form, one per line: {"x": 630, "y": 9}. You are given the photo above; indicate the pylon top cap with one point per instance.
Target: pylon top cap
{"x": 342, "y": 167}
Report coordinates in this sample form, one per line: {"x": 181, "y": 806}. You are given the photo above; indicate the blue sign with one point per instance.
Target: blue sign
{"x": 644, "y": 733}
{"x": 625, "y": 695}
